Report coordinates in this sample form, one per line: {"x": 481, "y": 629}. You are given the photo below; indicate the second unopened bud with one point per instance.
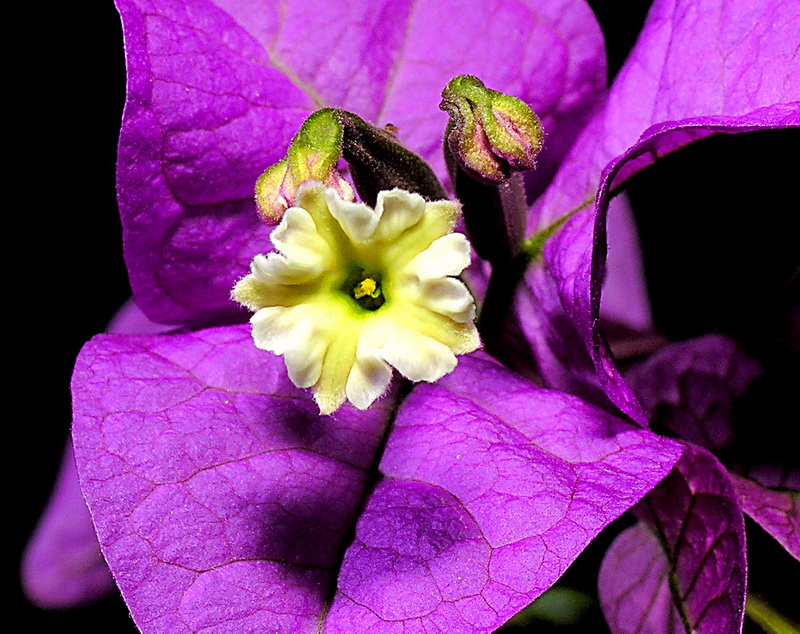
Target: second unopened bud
{"x": 491, "y": 135}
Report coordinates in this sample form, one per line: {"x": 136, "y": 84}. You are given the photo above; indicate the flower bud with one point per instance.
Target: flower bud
{"x": 377, "y": 161}
{"x": 491, "y": 135}
{"x": 312, "y": 155}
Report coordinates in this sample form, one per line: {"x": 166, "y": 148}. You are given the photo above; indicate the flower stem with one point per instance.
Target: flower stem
{"x": 506, "y": 276}
{"x": 768, "y": 617}
{"x": 498, "y": 300}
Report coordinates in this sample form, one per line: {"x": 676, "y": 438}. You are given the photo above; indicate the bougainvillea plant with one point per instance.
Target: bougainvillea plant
{"x": 223, "y": 501}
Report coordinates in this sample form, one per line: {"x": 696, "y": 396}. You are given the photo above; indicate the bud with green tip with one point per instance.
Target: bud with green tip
{"x": 490, "y": 135}
{"x": 312, "y": 155}
{"x": 377, "y": 160}
{"x": 490, "y": 138}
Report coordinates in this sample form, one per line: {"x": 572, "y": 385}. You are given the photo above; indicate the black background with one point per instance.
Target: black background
{"x": 718, "y": 226}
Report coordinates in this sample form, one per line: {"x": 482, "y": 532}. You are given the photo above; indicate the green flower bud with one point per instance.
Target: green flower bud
{"x": 312, "y": 155}
{"x": 377, "y": 160}
{"x": 491, "y": 135}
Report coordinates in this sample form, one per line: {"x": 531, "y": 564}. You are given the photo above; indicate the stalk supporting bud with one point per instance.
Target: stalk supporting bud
{"x": 490, "y": 137}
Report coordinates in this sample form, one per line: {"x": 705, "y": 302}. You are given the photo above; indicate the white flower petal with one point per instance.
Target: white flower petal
{"x": 357, "y": 220}
{"x": 449, "y": 297}
{"x": 448, "y": 255}
{"x": 272, "y": 327}
{"x": 297, "y": 236}
{"x": 416, "y": 356}
{"x": 398, "y": 210}
{"x": 295, "y": 333}
{"x": 304, "y": 353}
{"x": 275, "y": 268}
{"x": 303, "y": 256}
{"x": 250, "y": 292}
{"x": 330, "y": 390}
{"x": 368, "y": 379}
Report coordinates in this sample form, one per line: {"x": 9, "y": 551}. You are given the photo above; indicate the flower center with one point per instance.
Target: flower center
{"x": 365, "y": 288}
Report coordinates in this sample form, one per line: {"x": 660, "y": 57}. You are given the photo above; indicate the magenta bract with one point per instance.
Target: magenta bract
{"x": 221, "y": 496}
{"x": 224, "y": 502}
{"x": 692, "y": 531}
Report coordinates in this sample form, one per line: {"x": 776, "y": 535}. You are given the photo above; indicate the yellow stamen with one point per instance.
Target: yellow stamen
{"x": 365, "y": 287}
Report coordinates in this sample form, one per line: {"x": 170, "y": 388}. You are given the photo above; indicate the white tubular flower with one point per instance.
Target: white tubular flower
{"x": 353, "y": 290}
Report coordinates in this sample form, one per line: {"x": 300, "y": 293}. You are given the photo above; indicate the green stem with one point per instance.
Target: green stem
{"x": 533, "y": 247}
{"x": 772, "y": 621}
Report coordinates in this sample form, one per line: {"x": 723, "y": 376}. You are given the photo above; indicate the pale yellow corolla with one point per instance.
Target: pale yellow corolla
{"x": 353, "y": 291}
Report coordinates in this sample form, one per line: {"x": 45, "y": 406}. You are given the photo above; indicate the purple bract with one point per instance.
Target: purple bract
{"x": 683, "y": 567}
{"x": 223, "y": 502}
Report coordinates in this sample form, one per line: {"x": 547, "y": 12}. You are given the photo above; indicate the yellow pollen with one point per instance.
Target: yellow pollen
{"x": 364, "y": 288}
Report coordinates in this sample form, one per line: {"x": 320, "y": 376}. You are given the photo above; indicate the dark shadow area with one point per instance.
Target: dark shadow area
{"x": 307, "y": 531}
{"x": 719, "y": 229}
{"x": 68, "y": 255}
{"x": 770, "y": 574}
{"x": 621, "y": 23}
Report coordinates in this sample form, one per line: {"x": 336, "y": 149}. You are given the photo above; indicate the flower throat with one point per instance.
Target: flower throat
{"x": 365, "y": 288}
